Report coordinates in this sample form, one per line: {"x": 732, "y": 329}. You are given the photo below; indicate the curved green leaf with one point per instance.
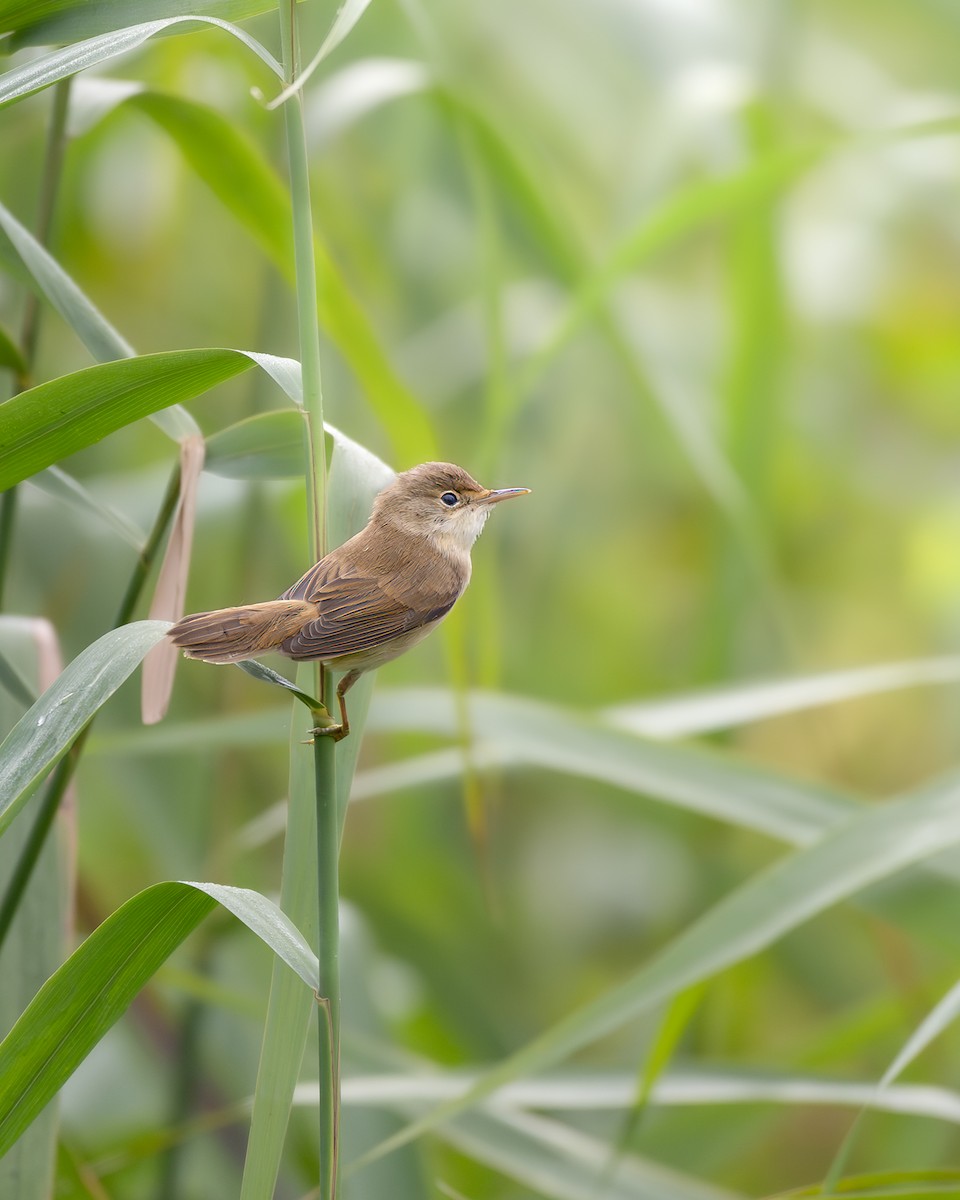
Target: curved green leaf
{"x": 41, "y": 72}
{"x": 267, "y": 446}
{"x": 50, "y": 21}
{"x": 91, "y": 991}
{"x": 347, "y": 16}
{"x": 231, "y": 165}
{"x": 46, "y": 277}
{"x": 46, "y": 423}
{"x": 93, "y": 329}
{"x": 63, "y": 487}
{"x": 45, "y": 732}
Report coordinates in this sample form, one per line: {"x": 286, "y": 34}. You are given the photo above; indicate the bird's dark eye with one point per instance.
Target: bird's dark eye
{"x": 450, "y": 499}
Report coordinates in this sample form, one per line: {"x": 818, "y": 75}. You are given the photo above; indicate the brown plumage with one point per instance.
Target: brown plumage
{"x": 371, "y": 598}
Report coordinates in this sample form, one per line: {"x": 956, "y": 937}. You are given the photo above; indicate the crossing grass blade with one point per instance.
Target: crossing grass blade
{"x": 70, "y": 492}
{"x": 872, "y": 847}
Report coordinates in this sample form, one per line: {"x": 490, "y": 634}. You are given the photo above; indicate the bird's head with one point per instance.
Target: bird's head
{"x": 441, "y": 501}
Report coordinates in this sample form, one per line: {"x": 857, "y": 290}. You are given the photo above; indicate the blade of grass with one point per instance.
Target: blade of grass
{"x": 934, "y": 1023}
{"x": 46, "y": 22}
{"x": 306, "y": 892}
{"x": 324, "y": 749}
{"x": 355, "y": 477}
{"x": 347, "y": 16}
{"x": 93, "y": 988}
{"x": 40, "y": 426}
{"x": 41, "y": 72}
{"x": 70, "y": 492}
{"x": 888, "y": 1185}
{"x": 672, "y": 1027}
{"x": 606, "y": 1091}
{"x": 47, "y": 730}
{"x": 48, "y": 422}
{"x": 871, "y": 847}
{"x": 750, "y": 405}
{"x": 37, "y": 941}
{"x": 41, "y": 271}
{"x": 565, "y": 1163}
{"x": 741, "y": 704}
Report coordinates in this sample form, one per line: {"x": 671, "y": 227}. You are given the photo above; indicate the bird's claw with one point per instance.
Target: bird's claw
{"x": 331, "y": 730}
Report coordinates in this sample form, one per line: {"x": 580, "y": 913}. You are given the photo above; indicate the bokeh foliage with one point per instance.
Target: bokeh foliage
{"x": 690, "y": 273}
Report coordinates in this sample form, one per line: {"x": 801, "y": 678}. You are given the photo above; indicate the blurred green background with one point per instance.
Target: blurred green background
{"x": 691, "y": 272}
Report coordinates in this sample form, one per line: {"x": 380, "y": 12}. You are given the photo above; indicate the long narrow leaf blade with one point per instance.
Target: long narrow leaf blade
{"x": 726, "y": 708}
{"x": 93, "y": 988}
{"x": 41, "y": 72}
{"x": 350, "y": 13}
{"x": 42, "y": 272}
{"x": 874, "y": 846}
{"x": 37, "y": 939}
{"x": 46, "y": 423}
{"x": 45, "y": 732}
{"x": 46, "y": 22}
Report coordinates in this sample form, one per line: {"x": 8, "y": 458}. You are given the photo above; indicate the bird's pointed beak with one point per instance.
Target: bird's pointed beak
{"x": 494, "y": 497}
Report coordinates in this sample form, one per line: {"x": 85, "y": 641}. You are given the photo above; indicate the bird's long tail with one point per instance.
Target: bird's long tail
{"x": 231, "y": 634}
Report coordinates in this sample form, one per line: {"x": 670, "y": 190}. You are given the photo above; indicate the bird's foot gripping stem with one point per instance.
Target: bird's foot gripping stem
{"x": 325, "y": 726}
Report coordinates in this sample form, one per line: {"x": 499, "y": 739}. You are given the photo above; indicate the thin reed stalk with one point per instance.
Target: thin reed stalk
{"x": 328, "y": 829}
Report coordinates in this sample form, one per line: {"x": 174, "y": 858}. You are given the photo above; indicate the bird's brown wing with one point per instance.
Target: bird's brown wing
{"x": 357, "y": 613}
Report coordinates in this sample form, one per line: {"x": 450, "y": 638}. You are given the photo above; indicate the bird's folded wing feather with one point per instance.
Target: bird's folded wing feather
{"x": 357, "y": 612}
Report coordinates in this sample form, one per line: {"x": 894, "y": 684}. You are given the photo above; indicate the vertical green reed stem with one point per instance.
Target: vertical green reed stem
{"x": 49, "y": 186}
{"x": 8, "y": 511}
{"x": 328, "y": 831}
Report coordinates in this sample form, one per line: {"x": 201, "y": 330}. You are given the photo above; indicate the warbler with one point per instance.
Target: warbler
{"x": 372, "y": 598}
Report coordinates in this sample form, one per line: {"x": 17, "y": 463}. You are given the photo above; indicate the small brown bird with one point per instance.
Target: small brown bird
{"x": 373, "y": 597}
